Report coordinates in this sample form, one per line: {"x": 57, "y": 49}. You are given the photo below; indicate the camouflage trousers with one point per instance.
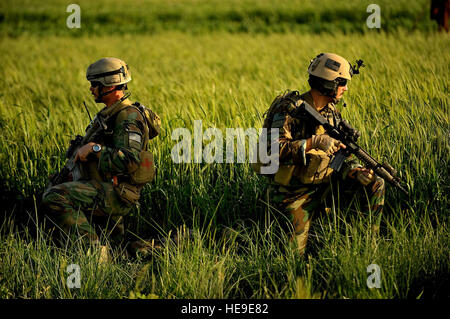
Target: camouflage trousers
{"x": 299, "y": 204}
{"x": 85, "y": 209}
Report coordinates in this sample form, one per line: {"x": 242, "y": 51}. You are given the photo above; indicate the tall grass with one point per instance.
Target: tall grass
{"x": 244, "y": 262}
{"x": 399, "y": 102}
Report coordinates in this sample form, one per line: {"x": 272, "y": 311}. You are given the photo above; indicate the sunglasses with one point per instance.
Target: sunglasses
{"x": 95, "y": 84}
{"x": 341, "y": 82}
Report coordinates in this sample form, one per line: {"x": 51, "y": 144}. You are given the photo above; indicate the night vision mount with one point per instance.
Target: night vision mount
{"x": 355, "y": 68}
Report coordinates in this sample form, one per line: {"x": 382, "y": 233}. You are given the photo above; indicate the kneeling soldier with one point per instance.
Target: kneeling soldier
{"x": 302, "y": 182}
{"x": 107, "y": 168}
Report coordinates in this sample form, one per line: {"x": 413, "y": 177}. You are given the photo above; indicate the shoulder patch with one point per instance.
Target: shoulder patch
{"x": 132, "y": 115}
{"x": 135, "y": 137}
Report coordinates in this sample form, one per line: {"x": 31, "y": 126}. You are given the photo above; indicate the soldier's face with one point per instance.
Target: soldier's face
{"x": 340, "y": 91}
{"x": 94, "y": 89}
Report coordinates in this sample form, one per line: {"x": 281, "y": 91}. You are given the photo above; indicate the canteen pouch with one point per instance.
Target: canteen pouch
{"x": 146, "y": 171}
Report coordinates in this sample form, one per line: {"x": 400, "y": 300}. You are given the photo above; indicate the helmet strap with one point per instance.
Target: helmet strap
{"x": 99, "y": 99}
{"x": 320, "y": 86}
{"x": 328, "y": 93}
{"x": 332, "y": 95}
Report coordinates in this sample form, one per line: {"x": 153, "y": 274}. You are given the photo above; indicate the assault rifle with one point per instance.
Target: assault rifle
{"x": 348, "y": 136}
{"x": 73, "y": 171}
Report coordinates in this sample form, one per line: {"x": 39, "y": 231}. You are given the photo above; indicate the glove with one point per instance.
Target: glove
{"x": 325, "y": 143}
{"x": 363, "y": 175}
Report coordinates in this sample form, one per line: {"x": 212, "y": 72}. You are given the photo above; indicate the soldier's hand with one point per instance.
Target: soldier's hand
{"x": 364, "y": 175}
{"x": 84, "y": 151}
{"x": 326, "y": 143}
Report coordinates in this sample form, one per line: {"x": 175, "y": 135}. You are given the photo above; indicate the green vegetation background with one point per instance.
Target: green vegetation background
{"x": 223, "y": 62}
{"x": 198, "y": 16}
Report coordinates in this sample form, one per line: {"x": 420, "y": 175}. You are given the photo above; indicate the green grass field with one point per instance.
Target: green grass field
{"x": 18, "y": 17}
{"x": 227, "y": 79}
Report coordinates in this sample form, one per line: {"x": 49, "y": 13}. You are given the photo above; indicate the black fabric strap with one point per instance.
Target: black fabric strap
{"x": 100, "y": 75}
{"x": 107, "y": 92}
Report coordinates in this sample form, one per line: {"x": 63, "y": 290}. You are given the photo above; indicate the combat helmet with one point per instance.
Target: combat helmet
{"x": 327, "y": 71}
{"x": 109, "y": 72}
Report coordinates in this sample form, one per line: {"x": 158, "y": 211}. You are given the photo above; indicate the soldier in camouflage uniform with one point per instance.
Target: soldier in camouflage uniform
{"x": 304, "y": 181}
{"x": 112, "y": 167}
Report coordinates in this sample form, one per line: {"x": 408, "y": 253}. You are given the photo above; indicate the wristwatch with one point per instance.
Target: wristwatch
{"x": 96, "y": 148}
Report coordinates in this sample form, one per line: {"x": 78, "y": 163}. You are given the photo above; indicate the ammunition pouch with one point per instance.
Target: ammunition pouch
{"x": 317, "y": 170}
{"x": 128, "y": 193}
{"x": 284, "y": 174}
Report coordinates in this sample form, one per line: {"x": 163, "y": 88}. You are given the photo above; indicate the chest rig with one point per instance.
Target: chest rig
{"x": 316, "y": 170}
{"x": 126, "y": 184}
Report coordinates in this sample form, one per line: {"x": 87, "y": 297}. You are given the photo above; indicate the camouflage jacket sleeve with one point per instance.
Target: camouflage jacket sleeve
{"x": 128, "y": 139}
{"x": 292, "y": 151}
